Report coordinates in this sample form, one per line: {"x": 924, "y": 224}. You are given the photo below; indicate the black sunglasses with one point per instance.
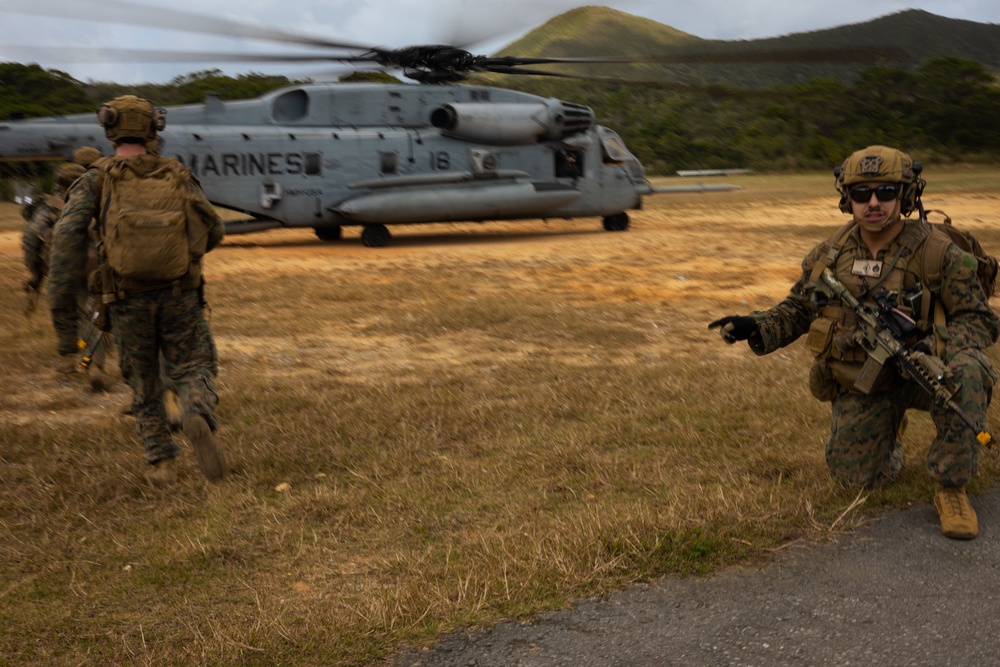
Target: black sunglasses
{"x": 862, "y": 194}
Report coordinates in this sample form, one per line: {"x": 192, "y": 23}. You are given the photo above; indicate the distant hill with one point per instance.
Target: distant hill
{"x": 601, "y": 31}
{"x": 911, "y": 36}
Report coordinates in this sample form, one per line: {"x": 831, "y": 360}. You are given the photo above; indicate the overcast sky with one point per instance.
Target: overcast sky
{"x": 393, "y": 23}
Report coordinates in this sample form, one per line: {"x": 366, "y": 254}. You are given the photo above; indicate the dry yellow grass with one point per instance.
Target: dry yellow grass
{"x": 477, "y": 422}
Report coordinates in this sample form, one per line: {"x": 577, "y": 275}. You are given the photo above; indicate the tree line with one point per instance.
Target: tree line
{"x": 945, "y": 110}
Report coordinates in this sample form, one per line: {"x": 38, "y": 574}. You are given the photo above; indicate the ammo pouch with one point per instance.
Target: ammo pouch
{"x": 839, "y": 359}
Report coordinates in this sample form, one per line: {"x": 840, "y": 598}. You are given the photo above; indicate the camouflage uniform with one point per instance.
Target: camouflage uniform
{"x": 862, "y": 448}
{"x": 35, "y": 240}
{"x": 159, "y": 331}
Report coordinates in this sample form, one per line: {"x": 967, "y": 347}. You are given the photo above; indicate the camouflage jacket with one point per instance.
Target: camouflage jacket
{"x": 971, "y": 322}
{"x": 68, "y": 256}
{"x": 35, "y": 240}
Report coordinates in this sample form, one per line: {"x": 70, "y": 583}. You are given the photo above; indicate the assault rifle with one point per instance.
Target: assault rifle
{"x": 879, "y": 331}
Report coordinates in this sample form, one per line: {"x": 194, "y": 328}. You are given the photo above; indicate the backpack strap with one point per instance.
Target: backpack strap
{"x": 831, "y": 250}
{"x": 935, "y": 248}
{"x": 931, "y": 270}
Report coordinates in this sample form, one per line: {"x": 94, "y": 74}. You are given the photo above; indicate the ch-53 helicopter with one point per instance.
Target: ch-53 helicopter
{"x": 329, "y": 155}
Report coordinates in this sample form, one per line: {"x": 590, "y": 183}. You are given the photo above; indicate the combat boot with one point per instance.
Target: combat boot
{"x": 68, "y": 365}
{"x": 211, "y": 460}
{"x": 172, "y": 408}
{"x": 958, "y": 519}
{"x": 164, "y": 472}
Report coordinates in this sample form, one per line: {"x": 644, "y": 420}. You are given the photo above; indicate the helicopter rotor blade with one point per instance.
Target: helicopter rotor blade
{"x": 858, "y": 54}
{"x": 678, "y": 87}
{"x": 500, "y": 69}
{"x": 151, "y": 16}
{"x": 93, "y": 54}
{"x": 433, "y": 63}
{"x": 499, "y": 64}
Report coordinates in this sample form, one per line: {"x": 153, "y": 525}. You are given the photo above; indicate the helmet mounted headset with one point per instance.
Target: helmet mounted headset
{"x": 131, "y": 119}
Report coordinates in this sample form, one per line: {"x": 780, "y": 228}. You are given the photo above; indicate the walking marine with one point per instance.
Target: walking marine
{"x": 36, "y": 242}
{"x": 907, "y": 280}
{"x": 36, "y": 238}
{"x": 153, "y": 226}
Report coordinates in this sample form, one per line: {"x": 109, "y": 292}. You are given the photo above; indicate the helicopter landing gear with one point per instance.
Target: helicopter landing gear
{"x": 334, "y": 233}
{"x": 616, "y": 223}
{"x": 375, "y": 236}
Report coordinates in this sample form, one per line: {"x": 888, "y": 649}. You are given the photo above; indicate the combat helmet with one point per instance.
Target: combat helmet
{"x": 85, "y": 155}
{"x": 880, "y": 164}
{"x": 131, "y": 119}
{"x": 67, "y": 173}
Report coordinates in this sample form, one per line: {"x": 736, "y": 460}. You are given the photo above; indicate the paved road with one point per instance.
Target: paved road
{"x": 895, "y": 593}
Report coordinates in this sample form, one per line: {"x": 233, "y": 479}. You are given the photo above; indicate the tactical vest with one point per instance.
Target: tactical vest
{"x": 911, "y": 269}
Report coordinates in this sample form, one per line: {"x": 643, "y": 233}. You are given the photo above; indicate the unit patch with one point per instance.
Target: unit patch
{"x": 869, "y": 268}
{"x": 870, "y": 165}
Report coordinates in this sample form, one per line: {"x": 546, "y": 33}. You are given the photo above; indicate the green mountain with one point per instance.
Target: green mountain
{"x": 599, "y": 31}
{"x": 902, "y": 40}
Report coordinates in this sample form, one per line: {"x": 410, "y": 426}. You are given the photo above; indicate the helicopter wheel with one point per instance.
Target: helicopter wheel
{"x": 375, "y": 236}
{"x": 334, "y": 233}
{"x": 616, "y": 223}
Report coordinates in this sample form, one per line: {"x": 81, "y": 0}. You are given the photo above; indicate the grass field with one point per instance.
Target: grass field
{"x": 477, "y": 422}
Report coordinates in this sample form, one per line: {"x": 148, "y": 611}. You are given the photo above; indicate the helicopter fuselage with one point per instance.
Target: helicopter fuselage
{"x": 329, "y": 155}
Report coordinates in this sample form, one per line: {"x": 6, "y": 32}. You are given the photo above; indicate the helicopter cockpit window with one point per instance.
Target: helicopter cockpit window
{"x": 311, "y": 164}
{"x": 292, "y": 106}
{"x": 569, "y": 164}
{"x": 613, "y": 150}
{"x": 389, "y": 162}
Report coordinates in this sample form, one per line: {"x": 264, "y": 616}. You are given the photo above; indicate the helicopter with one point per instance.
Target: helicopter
{"x": 331, "y": 155}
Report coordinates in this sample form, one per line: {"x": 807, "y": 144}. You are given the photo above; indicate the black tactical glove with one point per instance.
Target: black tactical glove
{"x": 736, "y": 327}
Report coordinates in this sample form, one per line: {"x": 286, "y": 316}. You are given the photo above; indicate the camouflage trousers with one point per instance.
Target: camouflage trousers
{"x": 164, "y": 333}
{"x": 863, "y": 449}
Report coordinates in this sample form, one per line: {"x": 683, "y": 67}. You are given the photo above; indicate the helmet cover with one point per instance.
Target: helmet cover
{"x": 85, "y": 155}
{"x": 67, "y": 173}
{"x": 880, "y": 164}
{"x": 130, "y": 117}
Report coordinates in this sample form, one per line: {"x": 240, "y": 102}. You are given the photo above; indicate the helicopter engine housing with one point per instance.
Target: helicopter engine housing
{"x": 512, "y": 123}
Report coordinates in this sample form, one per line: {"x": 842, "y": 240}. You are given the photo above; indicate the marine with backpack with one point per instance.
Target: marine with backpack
{"x": 153, "y": 226}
